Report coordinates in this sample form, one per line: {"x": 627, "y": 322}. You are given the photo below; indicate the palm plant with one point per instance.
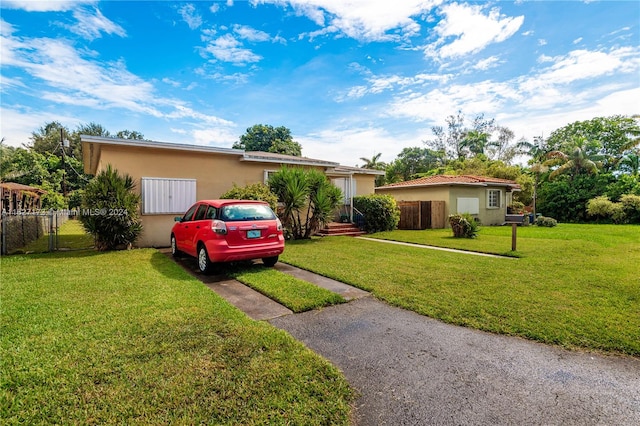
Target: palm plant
{"x": 110, "y": 210}
{"x": 577, "y": 161}
{"x": 631, "y": 162}
{"x": 307, "y": 197}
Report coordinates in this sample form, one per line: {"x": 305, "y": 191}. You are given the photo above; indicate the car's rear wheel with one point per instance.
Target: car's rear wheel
{"x": 270, "y": 261}
{"x": 204, "y": 264}
{"x": 174, "y": 247}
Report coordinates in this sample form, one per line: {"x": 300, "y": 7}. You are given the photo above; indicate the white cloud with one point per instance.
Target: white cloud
{"x": 17, "y": 123}
{"x": 578, "y": 40}
{"x": 91, "y": 24}
{"x": 190, "y": 16}
{"x": 487, "y": 63}
{"x": 368, "y": 20}
{"x": 71, "y": 79}
{"x": 171, "y": 82}
{"x": 383, "y": 83}
{"x": 227, "y": 49}
{"x": 583, "y": 64}
{"x": 215, "y": 136}
{"x": 247, "y": 33}
{"x": 466, "y": 29}
{"x": 45, "y": 5}
{"x": 347, "y": 146}
{"x": 542, "y": 42}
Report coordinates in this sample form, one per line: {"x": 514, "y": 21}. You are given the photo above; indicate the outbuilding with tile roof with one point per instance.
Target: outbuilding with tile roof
{"x": 486, "y": 198}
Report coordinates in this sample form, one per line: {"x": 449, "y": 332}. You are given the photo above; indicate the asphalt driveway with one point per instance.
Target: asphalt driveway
{"x": 413, "y": 370}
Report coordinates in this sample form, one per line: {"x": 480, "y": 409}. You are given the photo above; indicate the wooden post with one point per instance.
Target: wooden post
{"x": 514, "y": 231}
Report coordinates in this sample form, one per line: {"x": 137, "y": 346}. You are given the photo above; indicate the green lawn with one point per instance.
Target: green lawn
{"x": 71, "y": 236}
{"x": 295, "y": 294}
{"x": 130, "y": 338}
{"x": 573, "y": 285}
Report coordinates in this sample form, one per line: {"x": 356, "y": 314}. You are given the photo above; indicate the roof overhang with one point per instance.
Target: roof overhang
{"x": 473, "y": 184}
{"x": 267, "y": 157}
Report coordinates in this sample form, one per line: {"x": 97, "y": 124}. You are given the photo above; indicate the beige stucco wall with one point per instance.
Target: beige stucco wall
{"x": 214, "y": 173}
{"x": 450, "y": 195}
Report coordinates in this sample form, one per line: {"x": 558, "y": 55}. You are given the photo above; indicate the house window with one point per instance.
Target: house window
{"x": 493, "y": 198}
{"x": 167, "y": 196}
{"x": 268, "y": 174}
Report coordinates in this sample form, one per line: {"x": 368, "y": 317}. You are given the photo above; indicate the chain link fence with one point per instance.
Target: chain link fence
{"x": 21, "y": 228}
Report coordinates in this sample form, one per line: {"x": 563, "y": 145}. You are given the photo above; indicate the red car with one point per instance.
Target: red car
{"x": 216, "y": 231}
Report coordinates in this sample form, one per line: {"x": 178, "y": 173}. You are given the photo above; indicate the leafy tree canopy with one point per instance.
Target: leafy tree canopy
{"x": 266, "y": 138}
{"x": 609, "y": 138}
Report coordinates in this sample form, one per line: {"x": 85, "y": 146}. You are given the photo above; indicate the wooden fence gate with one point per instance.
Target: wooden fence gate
{"x": 421, "y": 215}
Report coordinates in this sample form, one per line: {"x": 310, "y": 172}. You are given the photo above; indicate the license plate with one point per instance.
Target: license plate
{"x": 254, "y": 233}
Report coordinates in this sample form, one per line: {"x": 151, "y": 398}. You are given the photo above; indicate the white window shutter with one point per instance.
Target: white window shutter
{"x": 167, "y": 196}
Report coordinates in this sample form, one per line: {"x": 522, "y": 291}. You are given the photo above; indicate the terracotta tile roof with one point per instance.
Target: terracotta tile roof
{"x": 454, "y": 180}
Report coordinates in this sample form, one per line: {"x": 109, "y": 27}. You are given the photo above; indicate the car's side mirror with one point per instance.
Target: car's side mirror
{"x": 177, "y": 219}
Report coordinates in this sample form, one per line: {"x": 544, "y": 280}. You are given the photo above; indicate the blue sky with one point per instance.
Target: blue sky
{"x": 350, "y": 78}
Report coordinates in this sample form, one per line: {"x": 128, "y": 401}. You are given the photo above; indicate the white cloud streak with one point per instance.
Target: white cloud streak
{"x": 45, "y": 5}
{"x": 74, "y": 80}
{"x": 366, "y": 20}
{"x": 92, "y": 23}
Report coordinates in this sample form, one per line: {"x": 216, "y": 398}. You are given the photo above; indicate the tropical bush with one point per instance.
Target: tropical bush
{"x": 255, "y": 191}
{"x": 631, "y": 207}
{"x": 308, "y": 200}
{"x": 381, "y": 212}
{"x": 463, "y": 225}
{"x": 109, "y": 210}
{"x": 547, "y": 222}
{"x": 626, "y": 211}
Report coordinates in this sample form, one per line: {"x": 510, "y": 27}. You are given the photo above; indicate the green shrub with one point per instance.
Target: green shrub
{"x": 255, "y": 191}
{"x": 381, "y": 213}
{"x": 463, "y": 225}
{"x": 631, "y": 207}
{"x": 600, "y": 207}
{"x": 110, "y": 210}
{"x": 548, "y": 222}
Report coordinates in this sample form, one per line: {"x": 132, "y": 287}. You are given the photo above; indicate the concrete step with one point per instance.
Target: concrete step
{"x": 342, "y": 229}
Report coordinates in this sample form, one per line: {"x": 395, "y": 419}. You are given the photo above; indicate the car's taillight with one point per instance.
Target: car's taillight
{"x": 219, "y": 227}
{"x": 279, "y": 224}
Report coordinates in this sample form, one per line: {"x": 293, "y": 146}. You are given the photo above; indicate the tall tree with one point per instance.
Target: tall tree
{"x": 266, "y": 138}
{"x": 452, "y": 139}
{"x": 413, "y": 161}
{"x": 609, "y": 138}
{"x": 130, "y": 134}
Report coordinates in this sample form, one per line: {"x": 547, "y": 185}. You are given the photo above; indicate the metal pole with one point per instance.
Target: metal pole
{"x": 514, "y": 231}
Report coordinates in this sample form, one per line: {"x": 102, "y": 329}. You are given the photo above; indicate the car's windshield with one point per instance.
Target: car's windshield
{"x": 241, "y": 212}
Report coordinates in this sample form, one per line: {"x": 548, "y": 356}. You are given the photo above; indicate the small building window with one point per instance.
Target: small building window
{"x": 167, "y": 196}
{"x": 493, "y": 198}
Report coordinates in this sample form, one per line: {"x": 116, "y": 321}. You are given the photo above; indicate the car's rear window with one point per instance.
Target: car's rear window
{"x": 239, "y": 212}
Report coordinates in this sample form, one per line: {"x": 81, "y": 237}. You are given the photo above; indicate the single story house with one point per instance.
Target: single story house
{"x": 170, "y": 177}
{"x": 486, "y": 198}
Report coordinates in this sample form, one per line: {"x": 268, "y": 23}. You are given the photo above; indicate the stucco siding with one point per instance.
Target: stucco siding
{"x": 214, "y": 173}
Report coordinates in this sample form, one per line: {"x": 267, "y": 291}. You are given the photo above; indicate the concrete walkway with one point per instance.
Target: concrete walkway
{"x": 413, "y": 370}
{"x": 400, "y": 243}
